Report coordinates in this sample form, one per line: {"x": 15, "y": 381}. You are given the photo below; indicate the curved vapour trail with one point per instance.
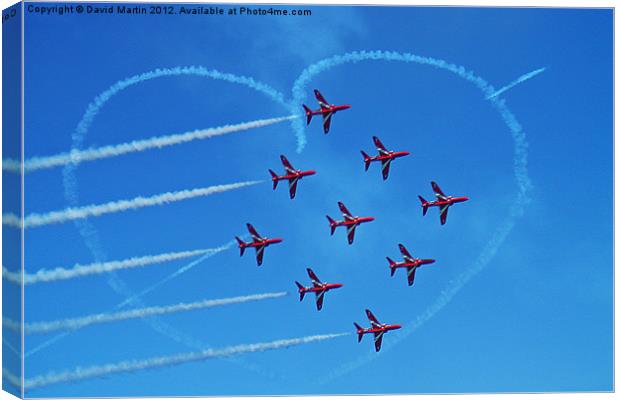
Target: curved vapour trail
{"x": 81, "y": 373}
{"x": 520, "y": 171}
{"x": 96, "y": 210}
{"x": 87, "y": 229}
{"x": 157, "y": 142}
{"x": 514, "y": 83}
{"x": 61, "y": 273}
{"x": 102, "y": 318}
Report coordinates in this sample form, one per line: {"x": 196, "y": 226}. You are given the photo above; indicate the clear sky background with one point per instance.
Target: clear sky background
{"x": 538, "y": 318}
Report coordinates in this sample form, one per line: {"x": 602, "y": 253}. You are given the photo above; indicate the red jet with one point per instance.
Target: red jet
{"x": 385, "y": 156}
{"x": 349, "y": 221}
{"x": 327, "y": 110}
{"x": 443, "y": 202}
{"x": 409, "y": 262}
{"x": 292, "y": 175}
{"x": 376, "y": 327}
{"x": 258, "y": 242}
{"x": 318, "y": 287}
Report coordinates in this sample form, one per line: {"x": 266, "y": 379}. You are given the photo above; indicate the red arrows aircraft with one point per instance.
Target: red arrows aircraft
{"x": 258, "y": 242}
{"x": 385, "y": 156}
{"x": 409, "y": 262}
{"x": 349, "y": 221}
{"x": 292, "y": 175}
{"x": 318, "y": 287}
{"x": 443, "y": 202}
{"x": 377, "y": 328}
{"x": 327, "y": 110}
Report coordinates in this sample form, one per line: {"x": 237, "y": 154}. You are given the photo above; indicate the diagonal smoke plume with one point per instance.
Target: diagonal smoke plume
{"x": 81, "y": 373}
{"x": 81, "y": 322}
{"x": 79, "y": 156}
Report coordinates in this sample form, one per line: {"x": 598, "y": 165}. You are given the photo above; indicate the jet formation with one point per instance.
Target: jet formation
{"x": 385, "y": 157}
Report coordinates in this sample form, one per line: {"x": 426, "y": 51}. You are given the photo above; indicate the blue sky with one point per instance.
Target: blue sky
{"x": 538, "y": 318}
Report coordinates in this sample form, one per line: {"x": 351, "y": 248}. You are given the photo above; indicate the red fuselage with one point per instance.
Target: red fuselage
{"x": 263, "y": 242}
{"x": 296, "y": 175}
{"x": 354, "y": 221}
{"x": 380, "y": 328}
{"x": 390, "y": 156}
{"x": 447, "y": 202}
{"x": 415, "y": 263}
{"x": 331, "y": 109}
{"x": 320, "y": 288}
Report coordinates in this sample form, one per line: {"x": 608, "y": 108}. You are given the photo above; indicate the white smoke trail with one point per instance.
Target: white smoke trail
{"x": 81, "y": 322}
{"x": 520, "y": 170}
{"x": 96, "y": 210}
{"x": 514, "y": 83}
{"x": 60, "y": 273}
{"x": 79, "y": 156}
{"x": 12, "y": 379}
{"x": 133, "y": 298}
{"x": 81, "y": 373}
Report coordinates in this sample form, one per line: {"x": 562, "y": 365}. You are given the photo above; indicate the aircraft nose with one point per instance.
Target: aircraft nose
{"x": 311, "y": 172}
{"x": 397, "y": 326}
{"x": 405, "y": 153}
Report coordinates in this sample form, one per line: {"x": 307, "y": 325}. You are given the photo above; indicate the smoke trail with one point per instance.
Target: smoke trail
{"x": 133, "y": 298}
{"x": 81, "y": 322}
{"x": 82, "y": 373}
{"x": 79, "y": 156}
{"x": 514, "y": 83}
{"x": 357, "y": 56}
{"x": 520, "y": 170}
{"x": 78, "y": 270}
{"x": 12, "y": 379}
{"x": 96, "y": 210}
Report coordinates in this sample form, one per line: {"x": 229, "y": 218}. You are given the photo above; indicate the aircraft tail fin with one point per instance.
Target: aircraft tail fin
{"x": 302, "y": 292}
{"x": 424, "y": 205}
{"x": 241, "y": 245}
{"x": 360, "y": 332}
{"x": 308, "y": 114}
{"x": 366, "y": 159}
{"x": 332, "y": 224}
{"x": 392, "y": 264}
{"x": 274, "y": 178}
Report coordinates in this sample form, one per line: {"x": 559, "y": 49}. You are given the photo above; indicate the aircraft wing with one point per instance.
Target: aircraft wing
{"x": 287, "y": 165}
{"x": 327, "y": 120}
{"x": 411, "y": 275}
{"x": 437, "y": 189}
{"x": 380, "y": 147}
{"x": 443, "y": 214}
{"x": 260, "y": 250}
{"x": 345, "y": 212}
{"x": 378, "y": 340}
{"x": 371, "y": 317}
{"x": 319, "y": 97}
{"x": 385, "y": 168}
{"x": 404, "y": 252}
{"x": 292, "y": 187}
{"x": 319, "y": 299}
{"x": 315, "y": 279}
{"x": 253, "y": 232}
{"x": 351, "y": 233}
